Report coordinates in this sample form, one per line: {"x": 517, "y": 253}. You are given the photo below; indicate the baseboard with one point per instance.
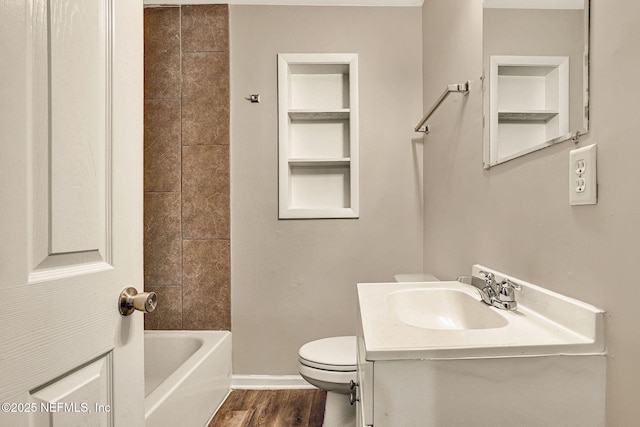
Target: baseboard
{"x": 268, "y": 382}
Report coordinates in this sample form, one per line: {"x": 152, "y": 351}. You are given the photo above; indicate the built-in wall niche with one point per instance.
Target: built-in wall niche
{"x": 318, "y": 135}
{"x": 529, "y": 103}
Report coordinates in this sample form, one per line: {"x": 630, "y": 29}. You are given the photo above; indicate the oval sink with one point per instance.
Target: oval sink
{"x": 438, "y": 308}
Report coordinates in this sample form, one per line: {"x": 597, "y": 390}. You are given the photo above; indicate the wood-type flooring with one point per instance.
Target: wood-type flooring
{"x": 271, "y": 408}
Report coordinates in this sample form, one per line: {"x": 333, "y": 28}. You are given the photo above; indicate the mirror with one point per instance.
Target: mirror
{"x": 536, "y": 75}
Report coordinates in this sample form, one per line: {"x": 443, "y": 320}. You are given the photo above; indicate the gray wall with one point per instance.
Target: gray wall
{"x": 516, "y": 217}
{"x": 294, "y": 280}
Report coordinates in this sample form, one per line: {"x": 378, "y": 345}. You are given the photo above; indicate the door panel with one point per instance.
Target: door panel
{"x": 70, "y": 75}
{"x": 70, "y": 210}
{"x": 78, "y": 47}
{"x": 66, "y": 401}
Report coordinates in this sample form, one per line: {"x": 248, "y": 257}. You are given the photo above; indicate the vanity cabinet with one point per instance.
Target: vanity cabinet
{"x": 489, "y": 392}
{"x": 529, "y": 103}
{"x": 535, "y": 372}
{"x": 318, "y": 135}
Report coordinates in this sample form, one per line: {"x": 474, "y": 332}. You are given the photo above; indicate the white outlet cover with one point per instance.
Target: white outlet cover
{"x": 583, "y": 186}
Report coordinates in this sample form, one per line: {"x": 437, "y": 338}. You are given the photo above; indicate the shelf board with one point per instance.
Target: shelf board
{"x": 342, "y": 161}
{"x": 526, "y": 116}
{"x": 338, "y": 114}
{"x": 314, "y": 213}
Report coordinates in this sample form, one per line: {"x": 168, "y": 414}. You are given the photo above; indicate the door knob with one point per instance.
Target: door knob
{"x": 130, "y": 301}
{"x": 353, "y": 399}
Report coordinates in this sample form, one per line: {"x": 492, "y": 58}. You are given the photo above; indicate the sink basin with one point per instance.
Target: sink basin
{"x": 442, "y": 308}
{"x": 448, "y": 320}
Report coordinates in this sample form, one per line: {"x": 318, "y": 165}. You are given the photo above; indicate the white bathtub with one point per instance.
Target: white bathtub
{"x": 187, "y": 376}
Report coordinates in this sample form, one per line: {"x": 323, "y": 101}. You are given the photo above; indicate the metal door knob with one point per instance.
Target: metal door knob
{"x": 353, "y": 399}
{"x": 130, "y": 301}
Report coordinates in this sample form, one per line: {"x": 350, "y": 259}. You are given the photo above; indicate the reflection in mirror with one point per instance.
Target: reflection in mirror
{"x": 536, "y": 57}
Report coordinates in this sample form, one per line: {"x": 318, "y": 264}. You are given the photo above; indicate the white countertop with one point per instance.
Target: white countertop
{"x": 545, "y": 323}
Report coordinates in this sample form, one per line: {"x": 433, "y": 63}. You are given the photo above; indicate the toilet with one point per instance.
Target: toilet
{"x": 330, "y": 365}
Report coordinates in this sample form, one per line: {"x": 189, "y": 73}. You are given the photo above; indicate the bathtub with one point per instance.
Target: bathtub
{"x": 187, "y": 376}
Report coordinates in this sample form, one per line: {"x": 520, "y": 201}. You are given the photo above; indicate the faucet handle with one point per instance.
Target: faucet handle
{"x": 489, "y": 278}
{"x": 506, "y": 290}
{"x": 486, "y": 274}
{"x": 509, "y": 283}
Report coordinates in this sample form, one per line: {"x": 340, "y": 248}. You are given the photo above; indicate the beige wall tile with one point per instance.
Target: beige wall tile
{"x": 205, "y": 28}
{"x": 162, "y": 52}
{"x": 168, "y": 313}
{"x": 205, "y": 98}
{"x": 162, "y": 240}
{"x": 205, "y": 187}
{"x": 187, "y": 166}
{"x": 162, "y": 146}
{"x": 207, "y": 284}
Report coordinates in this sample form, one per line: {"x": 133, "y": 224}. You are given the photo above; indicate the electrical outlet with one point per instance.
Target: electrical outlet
{"x": 583, "y": 187}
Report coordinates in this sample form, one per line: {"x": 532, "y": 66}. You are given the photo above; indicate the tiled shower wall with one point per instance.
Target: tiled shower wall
{"x": 186, "y": 166}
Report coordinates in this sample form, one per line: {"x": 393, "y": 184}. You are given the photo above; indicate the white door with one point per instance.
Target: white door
{"x": 70, "y": 212}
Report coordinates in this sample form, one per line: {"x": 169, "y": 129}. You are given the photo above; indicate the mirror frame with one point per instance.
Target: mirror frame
{"x": 573, "y": 134}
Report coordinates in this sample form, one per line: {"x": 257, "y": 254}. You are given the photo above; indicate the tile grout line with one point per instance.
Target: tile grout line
{"x": 181, "y": 176}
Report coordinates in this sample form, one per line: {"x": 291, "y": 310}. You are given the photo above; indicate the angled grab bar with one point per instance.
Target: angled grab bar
{"x": 461, "y": 88}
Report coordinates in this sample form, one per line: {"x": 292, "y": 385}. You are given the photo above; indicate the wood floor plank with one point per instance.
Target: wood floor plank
{"x": 266, "y": 414}
{"x": 316, "y": 416}
{"x": 296, "y": 412}
{"x": 235, "y": 418}
{"x": 233, "y": 403}
{"x": 235, "y": 400}
{"x": 271, "y": 408}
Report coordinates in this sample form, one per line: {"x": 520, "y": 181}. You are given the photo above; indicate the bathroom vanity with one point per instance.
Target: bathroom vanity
{"x": 433, "y": 354}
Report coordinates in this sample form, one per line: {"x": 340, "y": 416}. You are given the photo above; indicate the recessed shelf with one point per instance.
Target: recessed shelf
{"x": 528, "y": 102}
{"x": 345, "y": 161}
{"x": 526, "y": 116}
{"x": 318, "y": 135}
{"x": 320, "y": 86}
{"x": 526, "y": 71}
{"x": 339, "y": 114}
{"x": 328, "y": 139}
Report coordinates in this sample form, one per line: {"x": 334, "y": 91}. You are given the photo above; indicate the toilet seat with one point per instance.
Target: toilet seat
{"x": 332, "y": 380}
{"x": 336, "y": 354}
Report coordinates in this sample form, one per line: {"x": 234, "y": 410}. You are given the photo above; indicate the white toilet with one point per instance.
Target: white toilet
{"x": 330, "y": 364}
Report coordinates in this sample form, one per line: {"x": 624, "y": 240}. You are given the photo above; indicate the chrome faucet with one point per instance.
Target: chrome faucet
{"x": 500, "y": 295}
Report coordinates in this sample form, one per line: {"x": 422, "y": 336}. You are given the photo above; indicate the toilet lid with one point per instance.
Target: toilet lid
{"x": 335, "y": 353}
